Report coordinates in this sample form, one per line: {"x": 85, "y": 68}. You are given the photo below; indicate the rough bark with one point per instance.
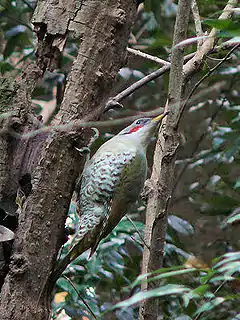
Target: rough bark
{"x": 104, "y": 27}
{"x": 162, "y": 177}
{"x": 15, "y": 106}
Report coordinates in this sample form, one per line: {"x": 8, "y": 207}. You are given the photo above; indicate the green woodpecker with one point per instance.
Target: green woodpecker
{"x": 111, "y": 183}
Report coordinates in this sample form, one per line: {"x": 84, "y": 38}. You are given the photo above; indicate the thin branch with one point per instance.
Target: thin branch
{"x": 85, "y": 123}
{"x": 197, "y": 21}
{"x": 79, "y": 296}
{"x": 138, "y": 232}
{"x": 140, "y": 83}
{"x": 216, "y": 59}
{"x": 195, "y": 63}
{"x": 28, "y": 5}
{"x": 209, "y": 299}
{"x": 204, "y": 77}
{"x": 141, "y": 31}
{"x": 148, "y": 56}
{"x": 112, "y": 102}
{"x": 203, "y": 135}
{"x": 76, "y": 125}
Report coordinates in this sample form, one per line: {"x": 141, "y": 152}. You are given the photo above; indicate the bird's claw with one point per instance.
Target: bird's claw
{"x": 95, "y": 136}
{"x": 83, "y": 150}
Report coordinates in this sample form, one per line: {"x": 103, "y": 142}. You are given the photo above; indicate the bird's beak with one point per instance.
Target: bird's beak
{"x": 160, "y": 117}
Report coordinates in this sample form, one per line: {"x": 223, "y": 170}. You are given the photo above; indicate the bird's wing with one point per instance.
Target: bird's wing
{"x": 107, "y": 177}
{"x": 131, "y": 178}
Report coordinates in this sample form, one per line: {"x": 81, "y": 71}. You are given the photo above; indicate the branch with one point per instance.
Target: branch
{"x": 115, "y": 101}
{"x": 148, "y": 56}
{"x": 79, "y": 296}
{"x": 197, "y": 21}
{"x": 140, "y": 83}
{"x": 195, "y": 63}
{"x": 205, "y": 77}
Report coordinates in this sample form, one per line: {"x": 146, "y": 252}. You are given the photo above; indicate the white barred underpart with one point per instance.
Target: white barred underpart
{"x": 99, "y": 182}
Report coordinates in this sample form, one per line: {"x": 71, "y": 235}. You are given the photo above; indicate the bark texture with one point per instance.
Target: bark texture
{"x": 162, "y": 177}
{"x": 104, "y": 27}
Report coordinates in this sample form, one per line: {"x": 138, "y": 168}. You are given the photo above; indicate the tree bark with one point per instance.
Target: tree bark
{"x": 162, "y": 177}
{"x": 104, "y": 27}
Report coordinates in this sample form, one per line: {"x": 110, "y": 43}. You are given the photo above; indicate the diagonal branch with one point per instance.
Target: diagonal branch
{"x": 115, "y": 101}
{"x": 148, "y": 56}
{"x": 193, "y": 65}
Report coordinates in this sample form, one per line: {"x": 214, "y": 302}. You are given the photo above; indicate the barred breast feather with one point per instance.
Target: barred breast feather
{"x": 111, "y": 182}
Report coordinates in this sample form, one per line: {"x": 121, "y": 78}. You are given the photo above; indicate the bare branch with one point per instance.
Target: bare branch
{"x": 205, "y": 77}
{"x": 195, "y": 63}
{"x": 115, "y": 101}
{"x": 148, "y": 56}
{"x": 197, "y": 21}
{"x": 79, "y": 296}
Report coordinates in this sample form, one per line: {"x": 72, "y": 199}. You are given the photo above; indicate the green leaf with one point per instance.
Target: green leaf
{"x": 230, "y": 268}
{"x": 232, "y": 219}
{"x": 209, "y": 305}
{"x": 5, "y": 67}
{"x": 170, "y": 289}
{"x": 159, "y": 271}
{"x": 218, "y": 24}
{"x": 171, "y": 274}
{"x": 194, "y": 294}
{"x": 227, "y": 258}
{"x": 20, "y": 40}
{"x": 237, "y": 184}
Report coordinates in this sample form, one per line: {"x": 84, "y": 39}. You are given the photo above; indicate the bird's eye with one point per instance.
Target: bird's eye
{"x": 138, "y": 122}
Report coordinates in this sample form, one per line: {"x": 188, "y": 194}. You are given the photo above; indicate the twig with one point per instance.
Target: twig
{"x": 28, "y": 4}
{"x": 140, "y": 32}
{"x": 148, "y": 56}
{"x": 197, "y": 21}
{"x": 140, "y": 83}
{"x": 74, "y": 126}
{"x": 78, "y": 124}
{"x": 195, "y": 63}
{"x": 216, "y": 59}
{"x": 203, "y": 135}
{"x": 81, "y": 298}
{"x": 204, "y": 77}
{"x": 112, "y": 102}
{"x": 209, "y": 299}
{"x": 138, "y": 232}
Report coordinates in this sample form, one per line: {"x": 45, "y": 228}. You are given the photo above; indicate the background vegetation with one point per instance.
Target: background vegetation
{"x": 200, "y": 278}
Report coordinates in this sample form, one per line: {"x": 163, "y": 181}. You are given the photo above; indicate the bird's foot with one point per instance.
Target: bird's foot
{"x": 83, "y": 150}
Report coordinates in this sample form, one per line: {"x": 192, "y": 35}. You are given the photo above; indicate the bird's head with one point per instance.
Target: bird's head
{"x": 142, "y": 129}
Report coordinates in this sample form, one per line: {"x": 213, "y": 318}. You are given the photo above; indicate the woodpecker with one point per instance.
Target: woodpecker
{"x": 110, "y": 184}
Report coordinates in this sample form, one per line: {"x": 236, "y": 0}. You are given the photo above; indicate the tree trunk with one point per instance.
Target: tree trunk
{"x": 104, "y": 27}
{"x": 162, "y": 177}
